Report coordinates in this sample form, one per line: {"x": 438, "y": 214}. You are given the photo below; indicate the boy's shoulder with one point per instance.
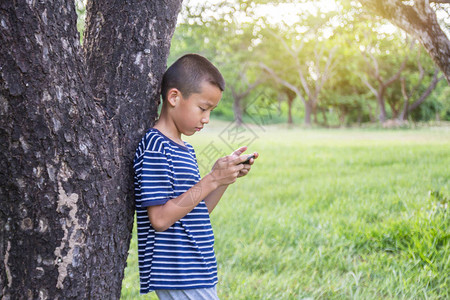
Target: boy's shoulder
{"x": 151, "y": 141}
{"x": 156, "y": 141}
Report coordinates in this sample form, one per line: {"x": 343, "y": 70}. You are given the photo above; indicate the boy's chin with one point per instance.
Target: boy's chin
{"x": 189, "y": 133}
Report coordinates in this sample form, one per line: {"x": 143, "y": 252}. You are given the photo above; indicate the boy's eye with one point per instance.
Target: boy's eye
{"x": 203, "y": 109}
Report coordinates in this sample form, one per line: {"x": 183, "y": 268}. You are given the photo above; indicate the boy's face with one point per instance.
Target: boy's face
{"x": 192, "y": 113}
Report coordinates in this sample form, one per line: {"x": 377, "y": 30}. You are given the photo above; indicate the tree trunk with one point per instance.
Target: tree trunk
{"x": 342, "y": 115}
{"x": 419, "y": 20}
{"x": 359, "y": 118}
{"x": 383, "y": 84}
{"x": 438, "y": 118}
{"x": 67, "y": 138}
{"x": 382, "y": 115}
{"x": 290, "y": 100}
{"x": 371, "y": 113}
{"x": 324, "y": 116}
{"x": 237, "y": 108}
{"x": 308, "y": 111}
{"x": 314, "y": 112}
{"x": 404, "y": 114}
{"x": 395, "y": 111}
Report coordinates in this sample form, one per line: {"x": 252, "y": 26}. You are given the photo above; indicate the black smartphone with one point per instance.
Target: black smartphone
{"x": 247, "y": 161}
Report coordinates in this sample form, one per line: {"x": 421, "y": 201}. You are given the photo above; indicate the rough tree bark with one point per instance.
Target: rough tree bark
{"x": 419, "y": 20}
{"x": 69, "y": 125}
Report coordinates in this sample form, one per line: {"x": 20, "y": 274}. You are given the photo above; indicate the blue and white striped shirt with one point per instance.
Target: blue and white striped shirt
{"x": 182, "y": 257}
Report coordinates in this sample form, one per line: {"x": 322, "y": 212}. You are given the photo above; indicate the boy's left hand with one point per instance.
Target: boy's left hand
{"x": 248, "y": 166}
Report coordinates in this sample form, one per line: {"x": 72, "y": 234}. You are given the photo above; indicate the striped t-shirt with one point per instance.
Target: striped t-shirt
{"x": 182, "y": 257}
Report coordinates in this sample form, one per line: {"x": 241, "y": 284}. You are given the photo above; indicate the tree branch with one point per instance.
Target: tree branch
{"x": 440, "y": 1}
{"x": 397, "y": 75}
{"x": 422, "y": 75}
{"x": 404, "y": 93}
{"x": 327, "y": 71}
{"x": 283, "y": 82}
{"x": 376, "y": 67}
{"x": 249, "y": 87}
{"x": 371, "y": 88}
{"x": 294, "y": 54}
{"x": 422, "y": 24}
{"x": 427, "y": 93}
{"x": 303, "y": 80}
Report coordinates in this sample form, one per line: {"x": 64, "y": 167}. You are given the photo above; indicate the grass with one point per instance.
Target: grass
{"x": 331, "y": 214}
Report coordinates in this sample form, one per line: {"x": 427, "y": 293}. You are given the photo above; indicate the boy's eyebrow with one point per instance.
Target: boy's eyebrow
{"x": 209, "y": 104}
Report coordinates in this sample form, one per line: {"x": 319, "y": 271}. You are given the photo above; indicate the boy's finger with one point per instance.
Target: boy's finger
{"x": 240, "y": 167}
{"x": 255, "y": 156}
{"x": 247, "y": 167}
{"x": 239, "y": 160}
{"x": 239, "y": 151}
{"x": 243, "y": 172}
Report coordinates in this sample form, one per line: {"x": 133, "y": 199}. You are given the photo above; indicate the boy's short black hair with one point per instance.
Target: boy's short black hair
{"x": 188, "y": 73}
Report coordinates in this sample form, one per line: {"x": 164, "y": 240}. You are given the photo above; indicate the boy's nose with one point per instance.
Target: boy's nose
{"x": 205, "y": 120}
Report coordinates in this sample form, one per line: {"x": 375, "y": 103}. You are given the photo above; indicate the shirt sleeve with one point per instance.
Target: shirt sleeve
{"x": 156, "y": 181}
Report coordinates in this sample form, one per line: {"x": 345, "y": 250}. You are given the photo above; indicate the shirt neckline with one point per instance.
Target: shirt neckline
{"x": 171, "y": 141}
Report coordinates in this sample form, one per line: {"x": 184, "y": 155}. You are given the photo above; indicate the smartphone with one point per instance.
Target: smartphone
{"x": 247, "y": 161}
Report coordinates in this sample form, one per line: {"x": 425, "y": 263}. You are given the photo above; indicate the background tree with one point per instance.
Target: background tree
{"x": 71, "y": 120}
{"x": 240, "y": 90}
{"x": 374, "y": 51}
{"x": 346, "y": 100}
{"x": 382, "y": 71}
{"x": 290, "y": 97}
{"x": 418, "y": 18}
{"x": 218, "y": 32}
{"x": 303, "y": 64}
{"x": 414, "y": 91}
{"x": 235, "y": 34}
{"x": 235, "y": 58}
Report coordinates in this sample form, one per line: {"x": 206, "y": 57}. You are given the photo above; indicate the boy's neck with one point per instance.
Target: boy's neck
{"x": 168, "y": 128}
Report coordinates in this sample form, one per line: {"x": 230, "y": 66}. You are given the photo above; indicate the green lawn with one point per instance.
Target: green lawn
{"x": 331, "y": 214}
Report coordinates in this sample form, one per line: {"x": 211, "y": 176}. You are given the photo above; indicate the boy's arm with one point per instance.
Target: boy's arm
{"x": 214, "y": 197}
{"x": 224, "y": 172}
{"x": 163, "y": 216}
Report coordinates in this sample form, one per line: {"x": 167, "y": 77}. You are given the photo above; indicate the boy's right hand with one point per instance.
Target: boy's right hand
{"x": 226, "y": 169}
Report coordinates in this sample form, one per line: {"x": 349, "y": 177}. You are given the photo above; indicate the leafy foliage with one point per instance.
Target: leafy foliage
{"x": 240, "y": 35}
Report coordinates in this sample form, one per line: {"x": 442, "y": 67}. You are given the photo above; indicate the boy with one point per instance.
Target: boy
{"x": 175, "y": 238}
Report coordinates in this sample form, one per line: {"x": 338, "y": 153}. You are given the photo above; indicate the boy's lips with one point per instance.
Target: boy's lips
{"x": 198, "y": 128}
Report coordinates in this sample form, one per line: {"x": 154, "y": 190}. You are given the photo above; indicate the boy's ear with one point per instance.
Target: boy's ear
{"x": 173, "y": 96}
